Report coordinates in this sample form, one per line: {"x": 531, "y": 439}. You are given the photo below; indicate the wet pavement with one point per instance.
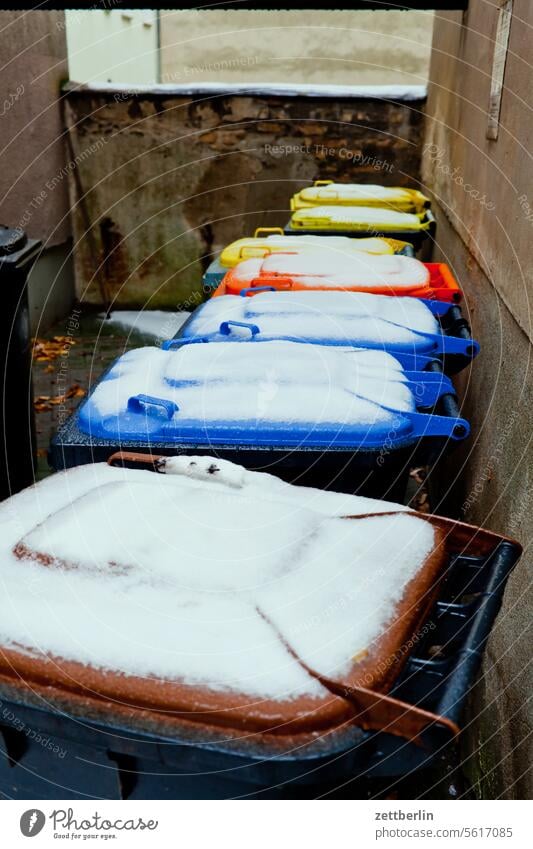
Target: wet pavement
{"x": 68, "y": 360}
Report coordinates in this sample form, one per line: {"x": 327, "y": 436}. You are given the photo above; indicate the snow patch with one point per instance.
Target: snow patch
{"x": 383, "y": 271}
{"x": 381, "y": 92}
{"x": 366, "y": 215}
{"x": 156, "y": 323}
{"x": 272, "y": 382}
{"x": 343, "y": 317}
{"x": 179, "y": 577}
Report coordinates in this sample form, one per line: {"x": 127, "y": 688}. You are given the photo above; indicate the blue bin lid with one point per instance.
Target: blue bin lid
{"x": 282, "y": 394}
{"x": 381, "y": 322}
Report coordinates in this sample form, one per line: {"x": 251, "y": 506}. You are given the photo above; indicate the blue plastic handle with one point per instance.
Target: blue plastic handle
{"x": 443, "y": 344}
{"x": 464, "y": 347}
{"x": 147, "y": 403}
{"x": 446, "y": 426}
{"x": 245, "y": 292}
{"x": 225, "y": 327}
{"x": 170, "y": 344}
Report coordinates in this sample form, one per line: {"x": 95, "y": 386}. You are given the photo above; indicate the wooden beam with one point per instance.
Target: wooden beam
{"x": 501, "y": 44}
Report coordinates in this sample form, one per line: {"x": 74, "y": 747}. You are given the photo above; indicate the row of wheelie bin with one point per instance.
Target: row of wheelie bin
{"x": 253, "y": 611}
{"x": 334, "y": 371}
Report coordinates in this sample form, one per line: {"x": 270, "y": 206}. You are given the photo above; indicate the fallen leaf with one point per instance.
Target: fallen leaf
{"x": 45, "y": 350}
{"x": 45, "y": 402}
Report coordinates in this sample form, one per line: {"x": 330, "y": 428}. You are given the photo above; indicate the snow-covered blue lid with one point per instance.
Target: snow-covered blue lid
{"x": 395, "y": 325}
{"x": 280, "y": 394}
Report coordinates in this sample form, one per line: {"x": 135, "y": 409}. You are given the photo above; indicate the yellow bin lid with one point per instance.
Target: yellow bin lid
{"x": 269, "y": 240}
{"x": 354, "y": 218}
{"x": 327, "y": 193}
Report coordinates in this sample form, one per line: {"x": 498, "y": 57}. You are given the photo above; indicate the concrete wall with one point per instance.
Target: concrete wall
{"x": 482, "y": 188}
{"x": 113, "y": 45}
{"x": 315, "y": 46}
{"x": 33, "y": 184}
{"x": 165, "y": 179}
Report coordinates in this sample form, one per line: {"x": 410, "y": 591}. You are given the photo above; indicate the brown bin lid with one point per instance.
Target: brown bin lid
{"x": 358, "y": 697}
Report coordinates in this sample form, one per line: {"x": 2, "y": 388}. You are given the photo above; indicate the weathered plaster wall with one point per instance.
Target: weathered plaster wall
{"x": 33, "y": 175}
{"x": 485, "y": 234}
{"x": 164, "y": 180}
{"x": 484, "y": 185}
{"x": 33, "y": 57}
{"x": 319, "y": 45}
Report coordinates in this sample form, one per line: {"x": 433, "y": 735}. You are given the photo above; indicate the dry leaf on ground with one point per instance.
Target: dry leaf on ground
{"x": 45, "y": 350}
{"x": 45, "y": 402}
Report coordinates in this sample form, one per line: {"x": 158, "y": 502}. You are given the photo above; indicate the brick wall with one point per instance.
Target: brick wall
{"x": 164, "y": 179}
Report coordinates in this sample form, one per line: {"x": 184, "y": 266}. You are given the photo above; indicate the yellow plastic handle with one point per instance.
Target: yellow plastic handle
{"x": 419, "y": 200}
{"x": 323, "y": 182}
{"x": 396, "y": 244}
{"x": 261, "y": 231}
{"x": 249, "y": 252}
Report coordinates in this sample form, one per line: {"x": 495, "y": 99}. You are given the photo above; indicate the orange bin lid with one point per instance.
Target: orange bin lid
{"x": 441, "y": 284}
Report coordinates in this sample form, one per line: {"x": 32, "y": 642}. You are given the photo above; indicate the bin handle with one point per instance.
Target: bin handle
{"x": 323, "y": 182}
{"x": 181, "y": 341}
{"x": 382, "y": 712}
{"x": 244, "y": 293}
{"x": 225, "y": 327}
{"x": 333, "y": 194}
{"x": 451, "y": 284}
{"x": 445, "y": 426}
{"x": 143, "y": 404}
{"x": 445, "y": 293}
{"x": 253, "y": 252}
{"x": 136, "y": 460}
{"x": 396, "y": 244}
{"x": 282, "y": 282}
{"x": 418, "y": 198}
{"x": 287, "y": 252}
{"x": 267, "y": 230}
{"x": 446, "y": 345}
{"x": 455, "y": 345}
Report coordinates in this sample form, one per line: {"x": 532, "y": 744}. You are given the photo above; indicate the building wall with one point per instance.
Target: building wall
{"x": 315, "y": 46}
{"x": 482, "y": 188}
{"x": 33, "y": 182}
{"x": 165, "y": 179}
{"x": 113, "y": 45}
